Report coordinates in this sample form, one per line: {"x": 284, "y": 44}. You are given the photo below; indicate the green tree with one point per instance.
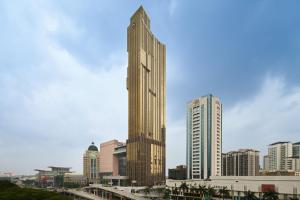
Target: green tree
{"x": 270, "y": 195}
{"x": 250, "y": 195}
{"x": 175, "y": 191}
{"x": 4, "y": 185}
{"x": 159, "y": 190}
{"x": 147, "y": 190}
{"x": 167, "y": 193}
{"x": 9, "y": 191}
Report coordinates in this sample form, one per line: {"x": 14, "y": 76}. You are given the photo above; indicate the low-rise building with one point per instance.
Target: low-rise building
{"x": 286, "y": 186}
{"x": 178, "y": 173}
{"x": 108, "y": 162}
{"x": 113, "y": 163}
{"x": 75, "y": 180}
{"x": 51, "y": 178}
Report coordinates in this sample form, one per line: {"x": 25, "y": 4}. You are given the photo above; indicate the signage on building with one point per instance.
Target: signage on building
{"x": 267, "y": 187}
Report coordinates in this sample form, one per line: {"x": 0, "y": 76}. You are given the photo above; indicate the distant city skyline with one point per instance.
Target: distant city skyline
{"x": 63, "y": 72}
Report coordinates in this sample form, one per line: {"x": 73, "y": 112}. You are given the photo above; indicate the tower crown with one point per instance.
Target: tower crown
{"x": 141, "y": 13}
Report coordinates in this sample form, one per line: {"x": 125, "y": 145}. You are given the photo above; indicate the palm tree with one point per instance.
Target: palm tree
{"x": 202, "y": 190}
{"x": 147, "y": 191}
{"x": 210, "y": 191}
{"x": 175, "y": 191}
{"x": 193, "y": 190}
{"x": 250, "y": 195}
{"x": 183, "y": 187}
{"x": 270, "y": 195}
{"x": 224, "y": 192}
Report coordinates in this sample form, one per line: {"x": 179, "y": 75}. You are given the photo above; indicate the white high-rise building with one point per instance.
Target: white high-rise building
{"x": 277, "y": 153}
{"x": 204, "y": 137}
{"x": 296, "y": 149}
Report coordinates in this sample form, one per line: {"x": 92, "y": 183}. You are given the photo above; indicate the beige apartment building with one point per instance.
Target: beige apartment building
{"x": 91, "y": 164}
{"x": 244, "y": 162}
{"x": 266, "y": 163}
{"x": 282, "y": 159}
{"x": 277, "y": 153}
{"x": 204, "y": 137}
{"x": 292, "y": 164}
{"x": 146, "y": 85}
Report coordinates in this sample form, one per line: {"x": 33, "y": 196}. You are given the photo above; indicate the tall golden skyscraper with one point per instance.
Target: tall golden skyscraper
{"x": 146, "y": 85}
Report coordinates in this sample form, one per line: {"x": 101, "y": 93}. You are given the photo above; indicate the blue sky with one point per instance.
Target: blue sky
{"x": 63, "y": 69}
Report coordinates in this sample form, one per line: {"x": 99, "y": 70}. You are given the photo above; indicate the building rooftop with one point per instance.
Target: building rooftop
{"x": 181, "y": 167}
{"x": 55, "y": 167}
{"x": 241, "y": 150}
{"x": 141, "y": 11}
{"x": 110, "y": 142}
{"x": 281, "y": 142}
{"x": 196, "y": 100}
{"x": 248, "y": 150}
{"x": 42, "y": 170}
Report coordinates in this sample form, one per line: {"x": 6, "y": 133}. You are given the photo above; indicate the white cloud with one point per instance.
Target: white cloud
{"x": 176, "y": 142}
{"x": 271, "y": 115}
{"x": 64, "y": 114}
{"x": 55, "y": 106}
